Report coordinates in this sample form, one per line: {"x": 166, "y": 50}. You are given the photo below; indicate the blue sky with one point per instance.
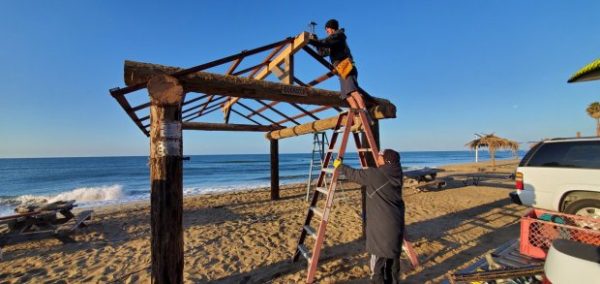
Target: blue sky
{"x": 453, "y": 68}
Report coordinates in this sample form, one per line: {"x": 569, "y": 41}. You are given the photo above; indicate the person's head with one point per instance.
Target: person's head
{"x": 390, "y": 157}
{"x": 331, "y": 26}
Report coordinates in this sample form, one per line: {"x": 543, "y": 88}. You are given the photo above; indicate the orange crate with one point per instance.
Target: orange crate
{"x": 537, "y": 235}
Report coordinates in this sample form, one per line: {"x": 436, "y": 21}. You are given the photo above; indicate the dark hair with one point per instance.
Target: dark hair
{"x": 332, "y": 24}
{"x": 391, "y": 157}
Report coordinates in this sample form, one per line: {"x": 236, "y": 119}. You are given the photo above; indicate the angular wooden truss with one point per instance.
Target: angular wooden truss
{"x": 246, "y": 92}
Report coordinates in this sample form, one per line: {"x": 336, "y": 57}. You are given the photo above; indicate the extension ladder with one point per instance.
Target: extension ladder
{"x": 343, "y": 125}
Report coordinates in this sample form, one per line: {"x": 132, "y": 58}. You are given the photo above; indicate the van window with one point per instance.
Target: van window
{"x": 580, "y": 154}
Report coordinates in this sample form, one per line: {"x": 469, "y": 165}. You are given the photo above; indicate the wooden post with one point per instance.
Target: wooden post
{"x": 274, "y": 169}
{"x": 370, "y": 163}
{"x": 166, "y": 198}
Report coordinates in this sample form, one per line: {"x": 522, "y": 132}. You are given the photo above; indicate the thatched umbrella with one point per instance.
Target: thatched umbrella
{"x": 593, "y": 110}
{"x": 493, "y": 142}
{"x": 589, "y": 72}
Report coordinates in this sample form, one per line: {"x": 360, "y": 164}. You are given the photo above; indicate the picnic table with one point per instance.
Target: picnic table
{"x": 35, "y": 221}
{"x": 425, "y": 177}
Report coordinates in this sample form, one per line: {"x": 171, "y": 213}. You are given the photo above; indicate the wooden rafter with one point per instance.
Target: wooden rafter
{"x": 261, "y": 115}
{"x": 265, "y": 62}
{"x": 317, "y": 110}
{"x": 299, "y": 42}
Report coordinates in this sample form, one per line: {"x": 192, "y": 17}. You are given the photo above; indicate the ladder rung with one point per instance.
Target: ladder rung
{"x": 322, "y": 189}
{"x": 305, "y": 252}
{"x": 310, "y": 231}
{"x": 317, "y": 211}
{"x": 328, "y": 170}
{"x": 330, "y": 150}
{"x": 364, "y": 150}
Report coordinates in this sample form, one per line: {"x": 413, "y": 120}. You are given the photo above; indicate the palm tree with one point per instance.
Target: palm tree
{"x": 594, "y": 111}
{"x": 493, "y": 142}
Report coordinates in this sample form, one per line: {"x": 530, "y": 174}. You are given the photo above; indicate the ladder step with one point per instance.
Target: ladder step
{"x": 364, "y": 150}
{"x": 321, "y": 189}
{"x": 305, "y": 252}
{"x": 311, "y": 231}
{"x": 317, "y": 211}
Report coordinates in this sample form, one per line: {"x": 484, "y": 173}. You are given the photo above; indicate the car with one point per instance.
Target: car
{"x": 561, "y": 174}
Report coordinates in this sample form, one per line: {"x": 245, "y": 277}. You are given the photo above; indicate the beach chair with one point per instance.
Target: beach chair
{"x": 40, "y": 221}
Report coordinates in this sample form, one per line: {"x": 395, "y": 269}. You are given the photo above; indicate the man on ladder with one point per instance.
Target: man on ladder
{"x": 385, "y": 214}
{"x": 335, "y": 46}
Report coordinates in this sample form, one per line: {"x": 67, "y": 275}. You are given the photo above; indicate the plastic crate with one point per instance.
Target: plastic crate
{"x": 537, "y": 235}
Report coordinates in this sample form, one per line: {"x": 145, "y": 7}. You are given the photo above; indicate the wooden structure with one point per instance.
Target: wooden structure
{"x": 41, "y": 221}
{"x": 266, "y": 96}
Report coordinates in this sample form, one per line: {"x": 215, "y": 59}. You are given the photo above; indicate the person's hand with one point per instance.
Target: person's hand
{"x": 337, "y": 163}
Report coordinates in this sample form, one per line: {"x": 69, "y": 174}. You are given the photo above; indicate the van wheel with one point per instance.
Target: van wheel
{"x": 585, "y": 207}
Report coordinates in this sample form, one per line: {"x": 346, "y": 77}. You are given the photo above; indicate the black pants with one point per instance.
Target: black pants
{"x": 385, "y": 270}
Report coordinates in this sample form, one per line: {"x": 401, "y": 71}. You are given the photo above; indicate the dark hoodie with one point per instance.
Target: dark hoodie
{"x": 336, "y": 43}
{"x": 385, "y": 207}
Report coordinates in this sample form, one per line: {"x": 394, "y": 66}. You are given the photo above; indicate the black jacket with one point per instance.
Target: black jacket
{"x": 385, "y": 207}
{"x": 336, "y": 43}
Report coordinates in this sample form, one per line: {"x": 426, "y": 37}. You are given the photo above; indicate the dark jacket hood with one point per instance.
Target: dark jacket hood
{"x": 393, "y": 173}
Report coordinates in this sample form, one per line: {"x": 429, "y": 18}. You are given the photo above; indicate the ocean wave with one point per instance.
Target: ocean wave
{"x": 83, "y": 194}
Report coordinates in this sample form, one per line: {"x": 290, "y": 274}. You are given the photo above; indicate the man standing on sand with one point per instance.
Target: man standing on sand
{"x": 340, "y": 56}
{"x": 385, "y": 214}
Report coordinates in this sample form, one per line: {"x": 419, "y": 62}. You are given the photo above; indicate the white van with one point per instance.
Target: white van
{"x": 561, "y": 174}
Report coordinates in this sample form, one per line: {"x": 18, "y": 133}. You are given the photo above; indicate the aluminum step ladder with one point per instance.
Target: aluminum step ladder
{"x": 320, "y": 141}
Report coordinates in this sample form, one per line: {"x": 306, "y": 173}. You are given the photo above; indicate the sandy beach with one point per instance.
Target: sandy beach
{"x": 243, "y": 237}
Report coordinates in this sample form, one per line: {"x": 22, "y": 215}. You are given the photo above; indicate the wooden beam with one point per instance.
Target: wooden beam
{"x": 210, "y": 83}
{"x": 316, "y": 126}
{"x": 274, "y": 169}
{"x": 183, "y": 72}
{"x": 166, "y": 176}
{"x": 227, "y": 127}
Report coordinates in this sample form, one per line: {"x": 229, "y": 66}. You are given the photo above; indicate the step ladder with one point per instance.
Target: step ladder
{"x": 344, "y": 126}
{"x": 320, "y": 141}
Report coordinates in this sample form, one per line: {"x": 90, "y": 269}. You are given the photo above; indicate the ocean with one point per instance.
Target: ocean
{"x": 96, "y": 181}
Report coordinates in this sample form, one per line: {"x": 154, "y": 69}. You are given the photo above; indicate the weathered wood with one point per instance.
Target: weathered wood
{"x": 166, "y": 176}
{"x": 210, "y": 83}
{"x": 274, "y": 169}
{"x": 317, "y": 126}
{"x": 227, "y": 127}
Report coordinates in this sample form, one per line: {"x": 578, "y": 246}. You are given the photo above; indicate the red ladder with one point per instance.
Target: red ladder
{"x": 318, "y": 235}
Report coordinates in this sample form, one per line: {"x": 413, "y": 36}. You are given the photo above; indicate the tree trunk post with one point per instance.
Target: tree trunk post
{"x": 274, "y": 169}
{"x": 166, "y": 176}
{"x": 372, "y": 164}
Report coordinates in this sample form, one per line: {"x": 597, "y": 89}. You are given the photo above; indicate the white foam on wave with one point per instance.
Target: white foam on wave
{"x": 86, "y": 194}
{"x": 83, "y": 196}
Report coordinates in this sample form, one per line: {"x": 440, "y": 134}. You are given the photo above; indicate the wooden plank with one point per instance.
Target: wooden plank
{"x": 227, "y": 127}
{"x": 166, "y": 176}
